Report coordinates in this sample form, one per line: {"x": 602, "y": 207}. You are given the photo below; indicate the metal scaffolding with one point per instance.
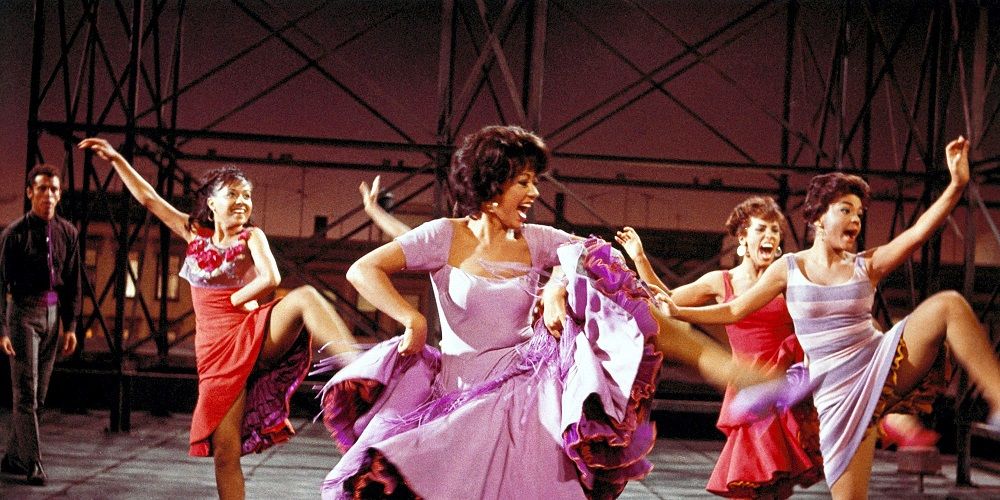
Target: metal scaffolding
{"x": 121, "y": 69}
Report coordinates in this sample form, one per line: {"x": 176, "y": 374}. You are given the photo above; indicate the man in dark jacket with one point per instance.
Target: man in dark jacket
{"x": 40, "y": 269}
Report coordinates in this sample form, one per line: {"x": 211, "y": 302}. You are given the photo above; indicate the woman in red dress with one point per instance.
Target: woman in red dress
{"x": 250, "y": 358}
{"x": 765, "y": 459}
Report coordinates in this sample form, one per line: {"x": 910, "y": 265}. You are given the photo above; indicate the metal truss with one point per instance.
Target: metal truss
{"x": 119, "y": 69}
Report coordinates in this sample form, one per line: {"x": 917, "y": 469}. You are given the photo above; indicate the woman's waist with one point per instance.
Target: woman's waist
{"x": 213, "y": 306}
{"x": 459, "y": 371}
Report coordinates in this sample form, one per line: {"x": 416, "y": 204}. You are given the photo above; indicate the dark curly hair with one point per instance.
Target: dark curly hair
{"x": 823, "y": 189}
{"x": 40, "y": 169}
{"x": 487, "y": 159}
{"x": 762, "y": 207}
{"x": 213, "y": 180}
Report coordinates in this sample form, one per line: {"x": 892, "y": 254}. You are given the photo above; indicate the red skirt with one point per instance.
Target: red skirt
{"x": 228, "y": 341}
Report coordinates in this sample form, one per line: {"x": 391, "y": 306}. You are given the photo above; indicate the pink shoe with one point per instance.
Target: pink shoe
{"x": 917, "y": 436}
{"x": 993, "y": 420}
{"x": 757, "y": 401}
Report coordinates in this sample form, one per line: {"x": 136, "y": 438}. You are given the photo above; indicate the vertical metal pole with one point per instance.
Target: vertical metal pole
{"x": 791, "y": 21}
{"x": 162, "y": 342}
{"x": 786, "y": 112}
{"x": 560, "y": 209}
{"x": 842, "y": 111}
{"x": 445, "y": 136}
{"x": 121, "y": 410}
{"x": 446, "y": 76}
{"x": 37, "y": 55}
{"x": 535, "y": 62}
{"x": 88, "y": 164}
{"x": 866, "y": 123}
{"x": 977, "y": 84}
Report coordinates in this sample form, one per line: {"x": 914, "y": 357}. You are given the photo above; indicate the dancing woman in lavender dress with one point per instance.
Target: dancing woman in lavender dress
{"x": 250, "y": 358}
{"x": 860, "y": 372}
{"x": 507, "y": 408}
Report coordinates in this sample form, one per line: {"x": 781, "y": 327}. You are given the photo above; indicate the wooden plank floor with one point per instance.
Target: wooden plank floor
{"x": 83, "y": 462}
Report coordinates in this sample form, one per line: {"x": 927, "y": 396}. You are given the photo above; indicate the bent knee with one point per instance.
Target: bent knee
{"x": 305, "y": 293}
{"x": 948, "y": 301}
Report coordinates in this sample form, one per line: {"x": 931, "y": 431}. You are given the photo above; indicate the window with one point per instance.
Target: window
{"x": 133, "y": 264}
{"x": 173, "y": 278}
{"x": 90, "y": 258}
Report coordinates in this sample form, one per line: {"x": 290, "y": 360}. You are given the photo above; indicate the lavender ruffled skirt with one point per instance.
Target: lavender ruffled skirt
{"x": 564, "y": 418}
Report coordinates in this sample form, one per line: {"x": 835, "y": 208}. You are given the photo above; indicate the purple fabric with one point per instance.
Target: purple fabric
{"x": 265, "y": 417}
{"x": 505, "y": 410}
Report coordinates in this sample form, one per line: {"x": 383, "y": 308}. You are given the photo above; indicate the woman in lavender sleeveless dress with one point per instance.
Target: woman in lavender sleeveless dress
{"x": 250, "y": 358}
{"x": 860, "y": 372}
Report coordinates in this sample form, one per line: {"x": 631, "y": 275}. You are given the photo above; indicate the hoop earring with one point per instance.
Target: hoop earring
{"x": 741, "y": 250}
{"x": 777, "y": 252}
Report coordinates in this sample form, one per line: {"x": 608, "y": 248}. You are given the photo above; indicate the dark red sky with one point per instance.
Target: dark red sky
{"x": 394, "y": 69}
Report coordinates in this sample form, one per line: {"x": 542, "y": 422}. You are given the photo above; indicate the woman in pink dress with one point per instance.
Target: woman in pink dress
{"x": 859, "y": 372}
{"x": 250, "y": 358}
{"x": 764, "y": 459}
{"x": 508, "y": 407}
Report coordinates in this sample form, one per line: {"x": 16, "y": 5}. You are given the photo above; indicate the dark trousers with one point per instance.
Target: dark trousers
{"x": 33, "y": 329}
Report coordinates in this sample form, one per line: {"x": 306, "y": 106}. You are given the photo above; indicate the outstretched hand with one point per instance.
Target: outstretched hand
{"x": 629, "y": 240}
{"x": 100, "y": 147}
{"x": 369, "y": 196}
{"x": 957, "y": 153}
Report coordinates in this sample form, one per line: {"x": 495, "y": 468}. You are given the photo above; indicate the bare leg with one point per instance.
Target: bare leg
{"x": 680, "y": 341}
{"x": 304, "y": 306}
{"x": 947, "y": 317}
{"x": 226, "y": 447}
{"x": 853, "y": 483}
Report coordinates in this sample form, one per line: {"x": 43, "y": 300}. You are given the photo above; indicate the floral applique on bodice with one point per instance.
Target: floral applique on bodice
{"x": 209, "y": 265}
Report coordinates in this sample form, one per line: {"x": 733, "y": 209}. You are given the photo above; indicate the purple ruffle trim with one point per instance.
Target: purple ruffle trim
{"x": 607, "y": 451}
{"x": 265, "y": 419}
{"x": 348, "y": 396}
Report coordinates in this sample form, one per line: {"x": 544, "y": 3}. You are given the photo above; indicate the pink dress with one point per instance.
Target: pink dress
{"x": 768, "y": 457}
{"x": 503, "y": 410}
{"x": 228, "y": 340}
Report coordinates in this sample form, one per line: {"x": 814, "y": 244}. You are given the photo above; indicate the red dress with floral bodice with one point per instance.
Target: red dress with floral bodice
{"x": 228, "y": 341}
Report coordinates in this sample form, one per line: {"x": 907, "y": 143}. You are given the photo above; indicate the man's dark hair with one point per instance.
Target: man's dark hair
{"x": 40, "y": 169}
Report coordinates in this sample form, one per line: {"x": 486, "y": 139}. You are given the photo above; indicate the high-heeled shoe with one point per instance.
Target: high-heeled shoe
{"x": 915, "y": 436}
{"x": 993, "y": 420}
{"x": 757, "y": 401}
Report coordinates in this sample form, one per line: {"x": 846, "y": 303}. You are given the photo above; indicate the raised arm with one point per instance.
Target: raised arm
{"x": 629, "y": 239}
{"x": 370, "y": 276}
{"x": 384, "y": 220}
{"x": 770, "y": 284}
{"x": 884, "y": 259}
{"x": 268, "y": 277}
{"x": 140, "y": 189}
